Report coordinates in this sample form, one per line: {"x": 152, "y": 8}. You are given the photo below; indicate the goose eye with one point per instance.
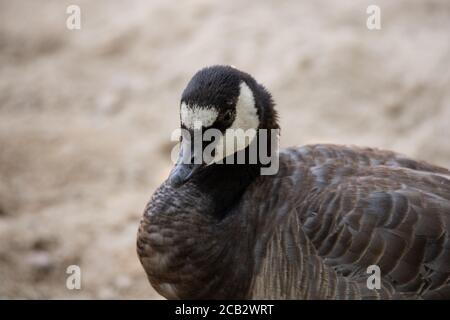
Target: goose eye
{"x": 227, "y": 116}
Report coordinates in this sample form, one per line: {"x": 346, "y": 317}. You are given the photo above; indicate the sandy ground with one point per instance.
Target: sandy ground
{"x": 86, "y": 116}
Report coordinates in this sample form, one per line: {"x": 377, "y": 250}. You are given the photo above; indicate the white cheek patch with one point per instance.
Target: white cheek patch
{"x": 243, "y": 129}
{"x": 191, "y": 116}
{"x": 233, "y": 141}
{"x": 246, "y": 116}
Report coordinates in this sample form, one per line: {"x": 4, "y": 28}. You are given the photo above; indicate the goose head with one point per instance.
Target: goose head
{"x": 222, "y": 111}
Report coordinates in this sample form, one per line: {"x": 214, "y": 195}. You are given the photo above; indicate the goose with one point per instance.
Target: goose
{"x": 312, "y": 230}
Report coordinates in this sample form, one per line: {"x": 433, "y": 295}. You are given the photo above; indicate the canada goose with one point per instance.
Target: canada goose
{"x": 225, "y": 231}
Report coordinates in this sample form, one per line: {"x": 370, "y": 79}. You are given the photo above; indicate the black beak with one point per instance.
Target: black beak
{"x": 181, "y": 173}
{"x": 186, "y": 165}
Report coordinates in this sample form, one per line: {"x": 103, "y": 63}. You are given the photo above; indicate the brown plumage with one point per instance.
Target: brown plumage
{"x": 308, "y": 232}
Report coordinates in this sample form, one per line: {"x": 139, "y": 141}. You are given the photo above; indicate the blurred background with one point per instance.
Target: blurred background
{"x": 86, "y": 115}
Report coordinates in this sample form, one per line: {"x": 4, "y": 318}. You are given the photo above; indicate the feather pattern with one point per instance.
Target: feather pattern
{"x": 309, "y": 232}
{"x": 361, "y": 207}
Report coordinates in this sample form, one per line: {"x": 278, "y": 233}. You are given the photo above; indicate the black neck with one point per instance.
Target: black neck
{"x": 224, "y": 184}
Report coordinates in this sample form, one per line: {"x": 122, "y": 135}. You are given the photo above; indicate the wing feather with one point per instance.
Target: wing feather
{"x": 377, "y": 207}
